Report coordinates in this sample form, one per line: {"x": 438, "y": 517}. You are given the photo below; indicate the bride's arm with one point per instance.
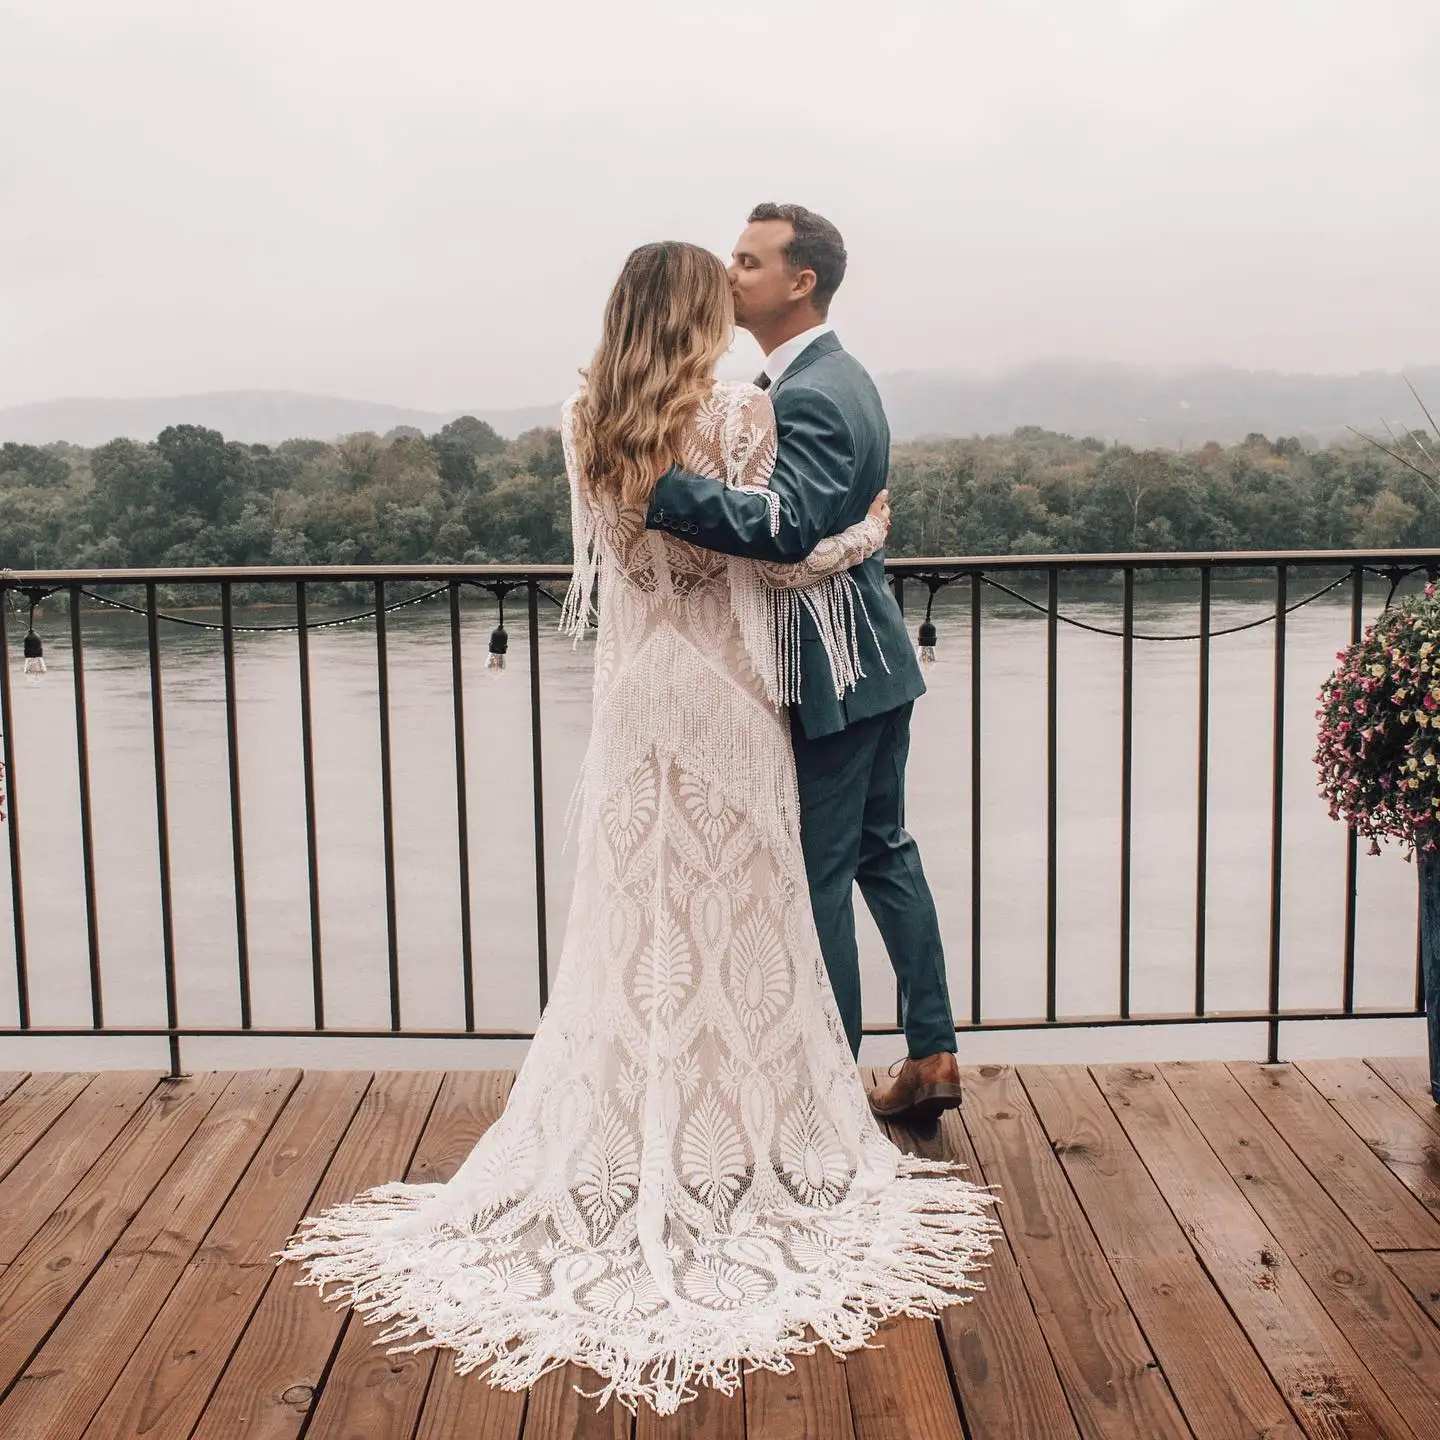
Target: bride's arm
{"x": 835, "y": 553}
{"x": 808, "y": 492}
{"x": 750, "y": 463}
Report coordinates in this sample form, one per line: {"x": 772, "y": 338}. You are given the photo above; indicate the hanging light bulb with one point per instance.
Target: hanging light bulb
{"x": 926, "y": 640}
{"x": 34, "y": 657}
{"x": 499, "y": 644}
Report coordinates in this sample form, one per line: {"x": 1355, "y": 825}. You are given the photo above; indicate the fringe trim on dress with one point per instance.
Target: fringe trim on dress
{"x": 912, "y": 1250}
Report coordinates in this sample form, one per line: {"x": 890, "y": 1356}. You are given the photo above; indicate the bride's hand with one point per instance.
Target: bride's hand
{"x": 880, "y": 509}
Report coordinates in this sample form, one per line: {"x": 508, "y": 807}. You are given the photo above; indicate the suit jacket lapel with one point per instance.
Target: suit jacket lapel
{"x": 826, "y": 344}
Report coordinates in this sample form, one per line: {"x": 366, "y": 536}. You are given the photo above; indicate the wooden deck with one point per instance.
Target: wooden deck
{"x": 1193, "y": 1249}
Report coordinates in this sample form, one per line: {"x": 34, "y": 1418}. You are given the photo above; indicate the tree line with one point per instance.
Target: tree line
{"x": 467, "y": 495}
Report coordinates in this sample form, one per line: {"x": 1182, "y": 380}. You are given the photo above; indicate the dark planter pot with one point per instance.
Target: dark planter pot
{"x": 1429, "y": 868}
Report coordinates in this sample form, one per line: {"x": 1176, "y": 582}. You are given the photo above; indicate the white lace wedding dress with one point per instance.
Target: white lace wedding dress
{"x": 687, "y": 1180}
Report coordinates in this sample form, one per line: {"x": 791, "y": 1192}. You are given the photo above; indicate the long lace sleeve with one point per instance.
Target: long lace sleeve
{"x": 768, "y": 596}
{"x": 832, "y": 556}
{"x": 578, "y": 613}
{"x": 750, "y": 454}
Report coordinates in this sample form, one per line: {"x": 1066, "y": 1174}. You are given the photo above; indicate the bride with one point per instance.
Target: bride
{"x": 687, "y": 1181}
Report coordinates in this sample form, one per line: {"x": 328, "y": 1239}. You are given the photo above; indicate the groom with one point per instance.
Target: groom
{"x": 834, "y": 454}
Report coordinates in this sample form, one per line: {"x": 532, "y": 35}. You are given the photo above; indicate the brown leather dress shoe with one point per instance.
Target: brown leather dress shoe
{"x": 920, "y": 1092}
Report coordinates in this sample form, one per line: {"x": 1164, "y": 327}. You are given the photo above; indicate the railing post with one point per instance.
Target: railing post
{"x": 537, "y": 770}
{"x": 87, "y": 828}
{"x": 162, "y": 826}
{"x": 12, "y": 821}
{"x": 1202, "y": 794}
{"x": 977, "y": 580}
{"x": 1127, "y": 725}
{"x": 1357, "y": 622}
{"x": 312, "y": 848}
{"x": 387, "y": 806}
{"x": 237, "y": 831}
{"x": 1052, "y": 775}
{"x": 1277, "y": 815}
{"x": 462, "y": 808}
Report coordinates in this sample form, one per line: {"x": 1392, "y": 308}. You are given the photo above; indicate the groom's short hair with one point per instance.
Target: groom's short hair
{"x": 816, "y": 245}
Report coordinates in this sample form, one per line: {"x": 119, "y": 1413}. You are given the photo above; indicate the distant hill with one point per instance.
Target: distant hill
{"x": 1160, "y": 408}
{"x": 1139, "y": 406}
{"x": 262, "y": 417}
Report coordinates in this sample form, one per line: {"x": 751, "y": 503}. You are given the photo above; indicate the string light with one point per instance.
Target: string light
{"x": 499, "y": 639}
{"x": 34, "y": 648}
{"x": 926, "y": 639}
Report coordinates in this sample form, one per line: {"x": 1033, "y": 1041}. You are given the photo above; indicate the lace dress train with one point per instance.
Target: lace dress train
{"x": 687, "y": 1181}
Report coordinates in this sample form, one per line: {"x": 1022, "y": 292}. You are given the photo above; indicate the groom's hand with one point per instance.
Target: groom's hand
{"x": 880, "y": 510}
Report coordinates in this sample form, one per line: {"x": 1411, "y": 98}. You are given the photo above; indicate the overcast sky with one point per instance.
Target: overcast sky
{"x": 425, "y": 201}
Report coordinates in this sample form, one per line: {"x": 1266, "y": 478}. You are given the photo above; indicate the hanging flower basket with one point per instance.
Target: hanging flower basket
{"x": 1379, "y": 759}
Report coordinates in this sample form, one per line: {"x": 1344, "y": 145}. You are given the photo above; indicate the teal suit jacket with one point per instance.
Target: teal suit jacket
{"x": 834, "y": 456}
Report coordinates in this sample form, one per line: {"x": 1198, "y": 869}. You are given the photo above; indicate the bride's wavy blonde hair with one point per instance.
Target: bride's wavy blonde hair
{"x": 667, "y": 322}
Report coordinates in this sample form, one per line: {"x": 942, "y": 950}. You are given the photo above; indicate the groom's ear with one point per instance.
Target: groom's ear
{"x": 802, "y": 285}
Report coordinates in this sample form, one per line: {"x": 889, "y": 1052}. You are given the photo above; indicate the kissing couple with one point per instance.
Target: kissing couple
{"x": 689, "y": 1179}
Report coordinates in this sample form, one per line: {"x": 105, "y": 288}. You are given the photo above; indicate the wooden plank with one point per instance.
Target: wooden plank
{"x": 56, "y": 1264}
{"x": 1400, "y": 1138}
{"x": 1409, "y": 1077}
{"x": 1306, "y": 1353}
{"x": 811, "y": 1402}
{"x": 68, "y": 1379}
{"x": 558, "y": 1411}
{"x": 10, "y": 1081}
{"x": 464, "y": 1404}
{"x": 999, "y": 1360}
{"x": 1419, "y": 1272}
{"x": 902, "y": 1391}
{"x": 1114, "y": 1385}
{"x": 53, "y": 1167}
{"x": 1220, "y": 1383}
{"x": 164, "y": 1385}
{"x": 32, "y": 1110}
{"x": 368, "y": 1391}
{"x": 709, "y": 1416}
{"x": 1328, "y": 1388}
{"x": 1379, "y": 1318}
{"x": 269, "y": 1385}
{"x": 1372, "y": 1197}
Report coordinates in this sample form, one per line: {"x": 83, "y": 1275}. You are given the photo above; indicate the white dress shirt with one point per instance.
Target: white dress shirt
{"x": 782, "y": 357}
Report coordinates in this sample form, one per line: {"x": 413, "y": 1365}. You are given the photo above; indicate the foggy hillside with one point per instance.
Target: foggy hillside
{"x": 1143, "y": 407}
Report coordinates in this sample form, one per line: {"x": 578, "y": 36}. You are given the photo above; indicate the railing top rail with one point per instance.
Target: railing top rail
{"x": 489, "y": 574}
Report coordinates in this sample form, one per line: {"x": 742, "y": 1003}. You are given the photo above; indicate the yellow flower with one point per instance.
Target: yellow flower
{"x": 1426, "y": 648}
{"x": 1379, "y": 670}
{"x": 1429, "y": 757}
{"x": 1422, "y": 719}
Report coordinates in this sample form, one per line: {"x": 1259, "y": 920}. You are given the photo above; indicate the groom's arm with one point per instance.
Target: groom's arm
{"x": 813, "y": 471}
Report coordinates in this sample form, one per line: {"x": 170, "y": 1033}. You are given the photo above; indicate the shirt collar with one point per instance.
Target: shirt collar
{"x": 782, "y": 357}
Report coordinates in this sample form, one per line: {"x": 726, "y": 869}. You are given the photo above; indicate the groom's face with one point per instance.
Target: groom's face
{"x": 763, "y": 284}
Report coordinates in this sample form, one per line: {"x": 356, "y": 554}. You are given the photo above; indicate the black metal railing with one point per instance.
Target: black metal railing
{"x": 540, "y": 586}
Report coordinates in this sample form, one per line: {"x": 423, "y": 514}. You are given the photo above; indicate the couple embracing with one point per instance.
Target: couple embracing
{"x": 689, "y": 1179}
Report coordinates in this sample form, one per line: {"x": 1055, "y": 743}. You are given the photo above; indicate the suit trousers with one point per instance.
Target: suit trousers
{"x": 852, "y": 830}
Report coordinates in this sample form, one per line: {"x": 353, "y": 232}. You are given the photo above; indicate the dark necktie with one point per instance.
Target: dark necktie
{"x": 762, "y": 380}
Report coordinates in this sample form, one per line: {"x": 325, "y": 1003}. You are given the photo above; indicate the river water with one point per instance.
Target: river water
{"x": 499, "y": 774}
